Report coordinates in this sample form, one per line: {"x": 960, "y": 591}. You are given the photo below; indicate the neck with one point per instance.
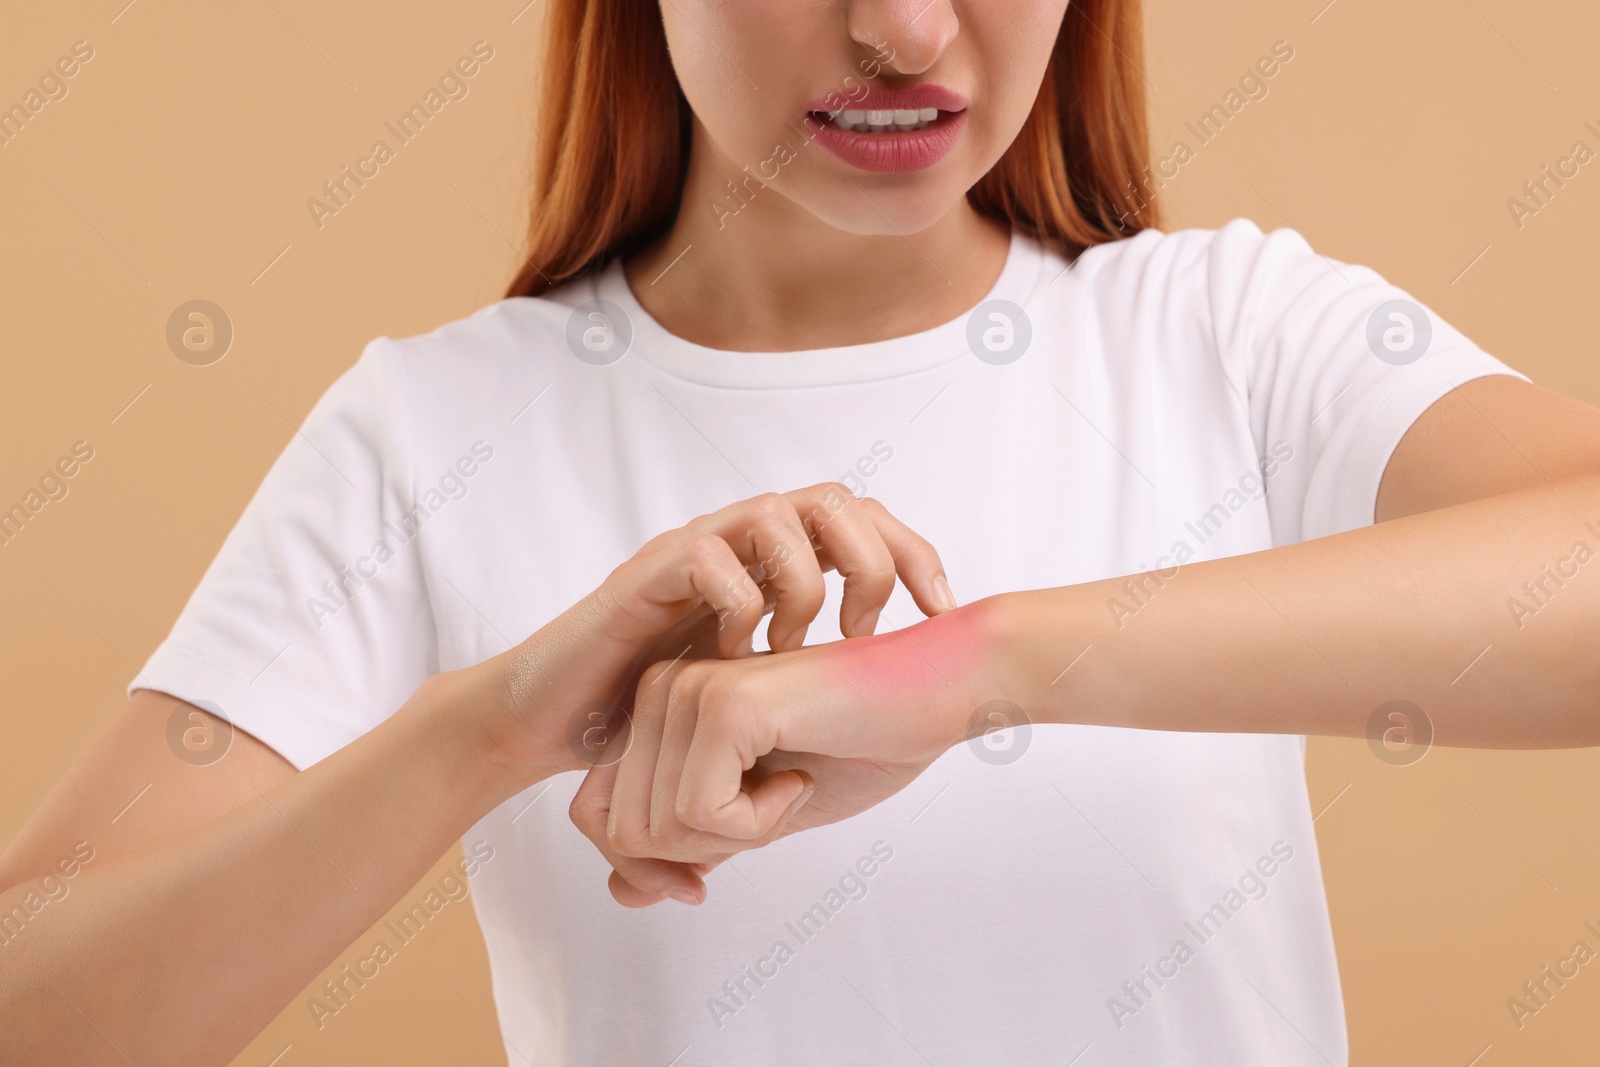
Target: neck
{"x": 762, "y": 274}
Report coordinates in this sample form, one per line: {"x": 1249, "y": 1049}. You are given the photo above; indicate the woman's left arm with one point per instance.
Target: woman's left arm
{"x": 1476, "y": 596}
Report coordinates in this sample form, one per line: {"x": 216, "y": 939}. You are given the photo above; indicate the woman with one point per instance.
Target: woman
{"x": 891, "y": 251}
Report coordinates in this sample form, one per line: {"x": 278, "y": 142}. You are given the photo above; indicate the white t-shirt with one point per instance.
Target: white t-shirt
{"x": 1151, "y": 897}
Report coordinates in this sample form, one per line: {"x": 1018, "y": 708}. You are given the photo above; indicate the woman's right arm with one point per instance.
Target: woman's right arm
{"x": 222, "y": 890}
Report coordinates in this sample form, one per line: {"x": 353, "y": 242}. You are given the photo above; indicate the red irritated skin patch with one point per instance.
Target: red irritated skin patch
{"x": 930, "y": 676}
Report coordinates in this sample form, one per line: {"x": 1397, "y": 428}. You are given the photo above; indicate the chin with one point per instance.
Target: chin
{"x": 868, "y": 212}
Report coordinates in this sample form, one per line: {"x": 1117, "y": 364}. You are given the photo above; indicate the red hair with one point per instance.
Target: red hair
{"x": 613, "y": 146}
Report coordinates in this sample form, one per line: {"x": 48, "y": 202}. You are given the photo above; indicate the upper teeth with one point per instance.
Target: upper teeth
{"x": 883, "y": 121}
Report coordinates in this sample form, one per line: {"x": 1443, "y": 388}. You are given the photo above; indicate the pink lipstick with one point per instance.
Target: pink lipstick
{"x": 888, "y": 129}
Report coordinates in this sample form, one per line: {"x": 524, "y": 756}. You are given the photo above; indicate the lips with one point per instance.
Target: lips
{"x": 889, "y": 129}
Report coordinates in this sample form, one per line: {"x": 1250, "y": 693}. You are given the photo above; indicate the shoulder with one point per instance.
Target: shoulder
{"x": 479, "y": 362}
{"x": 1225, "y": 284}
{"x": 519, "y": 332}
{"x": 1192, "y": 258}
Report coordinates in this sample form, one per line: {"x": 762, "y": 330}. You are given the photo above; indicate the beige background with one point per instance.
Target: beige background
{"x": 179, "y": 167}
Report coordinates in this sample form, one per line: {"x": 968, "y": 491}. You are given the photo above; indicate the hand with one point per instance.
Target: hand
{"x": 727, "y": 756}
{"x": 696, "y": 591}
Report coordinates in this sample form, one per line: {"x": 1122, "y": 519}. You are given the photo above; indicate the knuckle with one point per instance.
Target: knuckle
{"x": 878, "y": 517}
{"x": 874, "y": 575}
{"x": 836, "y": 496}
{"x": 771, "y": 505}
{"x": 802, "y": 586}
{"x": 720, "y": 701}
{"x": 697, "y": 813}
{"x": 628, "y": 842}
{"x": 808, "y": 596}
{"x": 692, "y": 674}
{"x": 663, "y": 540}
{"x": 582, "y": 813}
{"x": 654, "y": 673}
{"x": 707, "y": 550}
{"x": 836, "y": 493}
{"x": 667, "y": 843}
{"x": 924, "y": 556}
{"x": 742, "y": 591}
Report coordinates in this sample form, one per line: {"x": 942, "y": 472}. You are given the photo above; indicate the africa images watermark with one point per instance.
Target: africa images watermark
{"x": 338, "y": 993}
{"x": 854, "y": 90}
{"x": 452, "y": 85}
{"x": 1399, "y": 732}
{"x": 1537, "y": 193}
{"x": 52, "y": 87}
{"x": 1537, "y": 992}
{"x": 52, "y": 888}
{"x": 1553, "y": 577}
{"x": 1137, "y": 993}
{"x": 199, "y": 332}
{"x": 53, "y": 485}
{"x": 1252, "y": 86}
{"x": 342, "y": 588}
{"x": 738, "y": 993}
{"x": 1139, "y": 590}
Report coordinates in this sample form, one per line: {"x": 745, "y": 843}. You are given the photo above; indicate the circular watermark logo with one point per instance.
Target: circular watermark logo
{"x": 1399, "y": 733}
{"x": 1399, "y": 332}
{"x": 999, "y": 332}
{"x": 197, "y": 739}
{"x": 1006, "y": 733}
{"x": 599, "y": 332}
{"x": 199, "y": 332}
{"x": 599, "y": 733}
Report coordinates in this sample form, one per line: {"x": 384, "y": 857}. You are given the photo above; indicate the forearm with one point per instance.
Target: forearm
{"x": 1314, "y": 637}
{"x": 185, "y": 953}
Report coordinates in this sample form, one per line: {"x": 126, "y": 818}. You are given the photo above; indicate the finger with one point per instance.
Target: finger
{"x": 634, "y": 883}
{"x": 628, "y": 820}
{"x": 670, "y": 832}
{"x": 719, "y": 574}
{"x": 664, "y": 725}
{"x": 730, "y": 735}
{"x": 667, "y": 739}
{"x": 666, "y": 825}
{"x": 915, "y": 559}
{"x": 674, "y": 577}
{"x": 748, "y": 819}
{"x": 767, "y": 533}
{"x": 631, "y": 895}
{"x": 850, "y": 543}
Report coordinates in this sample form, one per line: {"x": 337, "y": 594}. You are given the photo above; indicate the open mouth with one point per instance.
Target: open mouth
{"x": 881, "y": 121}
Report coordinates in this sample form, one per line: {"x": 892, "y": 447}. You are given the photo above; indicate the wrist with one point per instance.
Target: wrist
{"x": 998, "y": 690}
{"x": 1033, "y": 643}
{"x": 962, "y": 666}
{"x": 465, "y": 715}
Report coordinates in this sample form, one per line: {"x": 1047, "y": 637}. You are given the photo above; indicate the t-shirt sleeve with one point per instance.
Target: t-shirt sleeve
{"x": 1334, "y": 364}
{"x": 313, "y": 624}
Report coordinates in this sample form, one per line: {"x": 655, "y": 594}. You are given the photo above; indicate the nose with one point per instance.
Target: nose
{"x": 914, "y": 33}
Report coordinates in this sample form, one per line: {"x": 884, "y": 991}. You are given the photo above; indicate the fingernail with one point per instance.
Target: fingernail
{"x": 943, "y": 598}
{"x": 791, "y": 641}
{"x": 683, "y": 896}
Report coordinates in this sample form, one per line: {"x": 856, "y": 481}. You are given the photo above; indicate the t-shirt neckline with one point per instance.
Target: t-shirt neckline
{"x": 654, "y": 344}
